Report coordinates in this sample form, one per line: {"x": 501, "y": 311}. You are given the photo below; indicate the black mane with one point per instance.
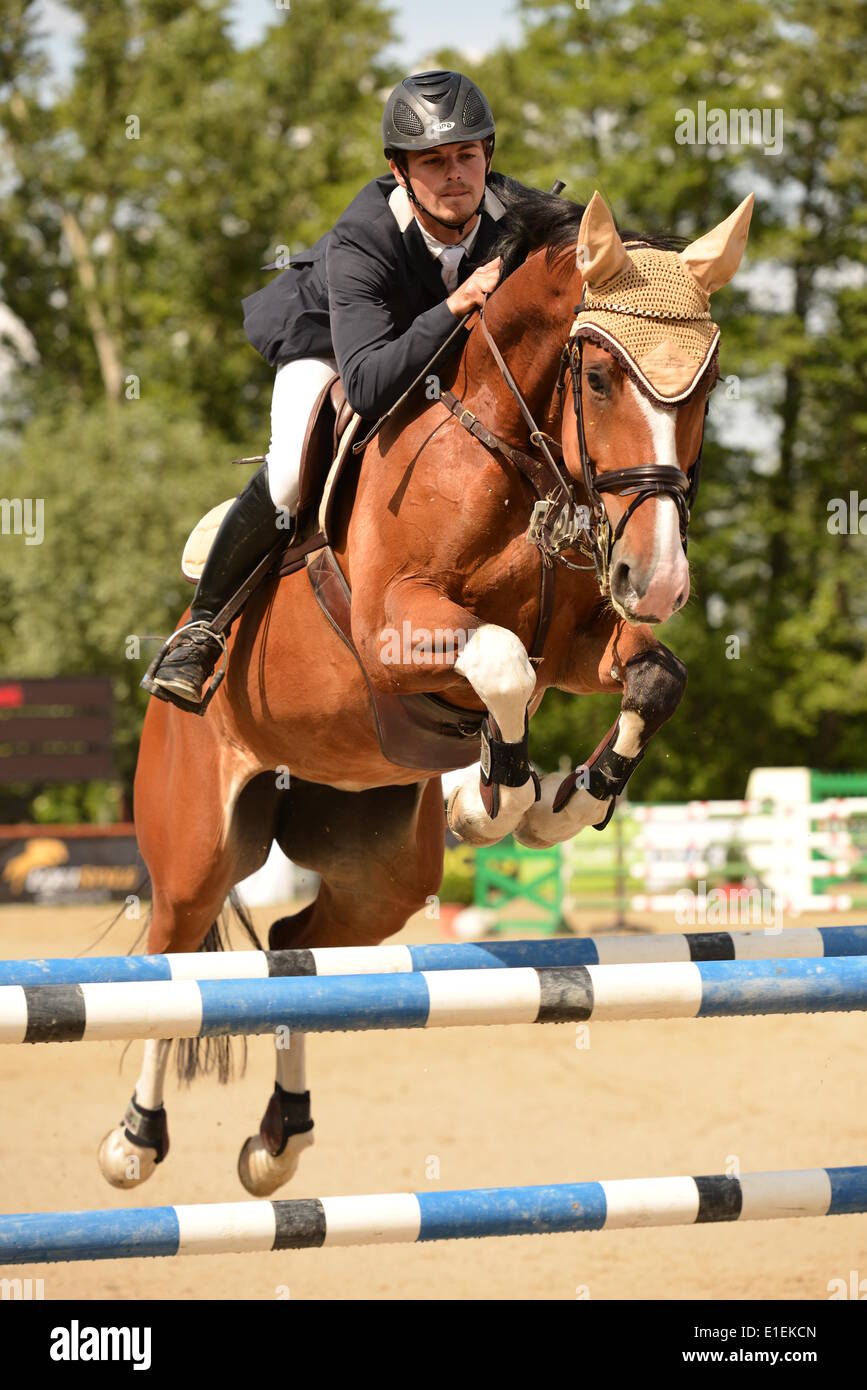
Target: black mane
{"x": 534, "y": 219}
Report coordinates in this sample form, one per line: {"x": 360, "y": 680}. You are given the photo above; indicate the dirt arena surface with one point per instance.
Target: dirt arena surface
{"x": 474, "y": 1107}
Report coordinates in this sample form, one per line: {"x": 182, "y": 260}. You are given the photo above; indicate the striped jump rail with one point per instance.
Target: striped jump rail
{"x": 798, "y": 942}
{"x": 431, "y": 999}
{"x": 414, "y": 1218}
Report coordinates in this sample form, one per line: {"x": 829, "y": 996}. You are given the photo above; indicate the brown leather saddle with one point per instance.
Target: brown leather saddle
{"x": 419, "y": 731}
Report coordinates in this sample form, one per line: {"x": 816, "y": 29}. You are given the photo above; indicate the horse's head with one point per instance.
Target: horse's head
{"x": 643, "y": 360}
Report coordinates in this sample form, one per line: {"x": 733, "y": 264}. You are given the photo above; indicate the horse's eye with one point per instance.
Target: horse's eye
{"x": 596, "y": 381}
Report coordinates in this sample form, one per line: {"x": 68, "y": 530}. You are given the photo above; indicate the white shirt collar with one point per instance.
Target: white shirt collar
{"x": 436, "y": 247}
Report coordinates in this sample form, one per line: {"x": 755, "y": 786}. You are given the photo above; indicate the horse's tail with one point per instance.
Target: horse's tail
{"x": 202, "y": 1056}
{"x": 199, "y": 1056}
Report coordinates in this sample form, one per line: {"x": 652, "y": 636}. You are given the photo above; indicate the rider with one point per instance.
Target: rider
{"x": 373, "y": 299}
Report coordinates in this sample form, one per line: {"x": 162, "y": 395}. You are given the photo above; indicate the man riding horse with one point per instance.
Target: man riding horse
{"x": 598, "y": 352}
{"x": 366, "y": 301}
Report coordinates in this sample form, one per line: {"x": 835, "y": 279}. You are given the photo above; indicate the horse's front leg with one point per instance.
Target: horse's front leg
{"x": 485, "y": 808}
{"x": 653, "y": 681}
{"x": 446, "y": 638}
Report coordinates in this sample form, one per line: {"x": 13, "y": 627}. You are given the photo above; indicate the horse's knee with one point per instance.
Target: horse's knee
{"x": 654, "y": 686}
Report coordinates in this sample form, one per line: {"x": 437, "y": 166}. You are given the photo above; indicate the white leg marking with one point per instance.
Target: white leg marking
{"x": 541, "y": 827}
{"x": 150, "y": 1087}
{"x": 291, "y": 1065}
{"x": 630, "y": 727}
{"x": 496, "y": 664}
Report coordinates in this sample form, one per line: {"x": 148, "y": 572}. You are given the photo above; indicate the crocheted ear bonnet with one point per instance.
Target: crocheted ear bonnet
{"x": 651, "y": 307}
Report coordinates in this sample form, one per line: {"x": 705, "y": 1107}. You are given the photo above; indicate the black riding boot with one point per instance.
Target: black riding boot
{"x": 247, "y": 532}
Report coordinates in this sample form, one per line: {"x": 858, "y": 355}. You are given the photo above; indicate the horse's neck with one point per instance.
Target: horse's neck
{"x": 529, "y": 320}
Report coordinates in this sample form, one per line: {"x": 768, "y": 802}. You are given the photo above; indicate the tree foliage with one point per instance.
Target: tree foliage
{"x": 138, "y": 203}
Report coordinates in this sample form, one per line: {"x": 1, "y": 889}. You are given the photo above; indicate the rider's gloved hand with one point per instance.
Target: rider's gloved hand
{"x": 471, "y": 294}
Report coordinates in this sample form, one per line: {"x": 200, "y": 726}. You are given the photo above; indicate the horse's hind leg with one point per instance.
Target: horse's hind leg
{"x": 131, "y": 1150}
{"x": 195, "y": 854}
{"x": 380, "y": 856}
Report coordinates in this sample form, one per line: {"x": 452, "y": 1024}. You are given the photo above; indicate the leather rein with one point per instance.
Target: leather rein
{"x": 558, "y": 522}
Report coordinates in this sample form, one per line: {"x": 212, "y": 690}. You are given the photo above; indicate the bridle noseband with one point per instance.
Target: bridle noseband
{"x": 645, "y": 480}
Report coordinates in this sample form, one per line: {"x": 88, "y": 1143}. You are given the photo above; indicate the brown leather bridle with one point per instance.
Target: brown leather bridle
{"x": 559, "y": 523}
{"x": 644, "y": 480}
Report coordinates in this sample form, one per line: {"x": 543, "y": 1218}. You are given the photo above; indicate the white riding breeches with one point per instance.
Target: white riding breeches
{"x": 296, "y": 386}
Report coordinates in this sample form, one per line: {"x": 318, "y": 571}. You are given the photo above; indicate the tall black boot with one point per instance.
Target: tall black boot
{"x": 247, "y": 532}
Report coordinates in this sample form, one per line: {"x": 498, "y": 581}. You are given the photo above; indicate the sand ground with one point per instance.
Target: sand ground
{"x": 476, "y": 1108}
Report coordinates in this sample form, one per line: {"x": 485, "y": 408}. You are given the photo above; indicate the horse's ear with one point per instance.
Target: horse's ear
{"x": 601, "y": 253}
{"x": 714, "y": 258}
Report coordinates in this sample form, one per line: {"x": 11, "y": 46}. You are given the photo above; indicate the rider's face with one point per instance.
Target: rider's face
{"x": 449, "y": 180}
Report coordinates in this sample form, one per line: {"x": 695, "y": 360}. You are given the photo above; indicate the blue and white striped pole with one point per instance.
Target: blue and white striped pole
{"x": 392, "y": 1218}
{"x": 431, "y": 999}
{"x": 794, "y": 942}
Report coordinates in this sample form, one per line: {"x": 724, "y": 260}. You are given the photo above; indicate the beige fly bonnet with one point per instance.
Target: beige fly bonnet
{"x": 651, "y": 308}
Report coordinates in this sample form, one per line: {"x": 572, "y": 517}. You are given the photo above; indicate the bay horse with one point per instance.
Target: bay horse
{"x": 609, "y": 343}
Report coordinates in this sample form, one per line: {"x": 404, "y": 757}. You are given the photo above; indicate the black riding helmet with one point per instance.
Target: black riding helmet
{"x": 434, "y": 108}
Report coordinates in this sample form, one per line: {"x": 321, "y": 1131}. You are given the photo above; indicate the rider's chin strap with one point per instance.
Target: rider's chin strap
{"x": 410, "y": 191}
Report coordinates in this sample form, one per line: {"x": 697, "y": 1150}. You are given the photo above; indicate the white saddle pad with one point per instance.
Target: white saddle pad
{"x": 200, "y": 540}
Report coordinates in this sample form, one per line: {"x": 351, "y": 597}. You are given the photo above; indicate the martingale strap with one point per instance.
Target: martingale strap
{"x": 537, "y": 471}
{"x": 558, "y": 522}
{"x": 536, "y": 435}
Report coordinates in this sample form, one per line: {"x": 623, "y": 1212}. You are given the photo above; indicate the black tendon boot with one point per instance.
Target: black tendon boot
{"x": 247, "y": 532}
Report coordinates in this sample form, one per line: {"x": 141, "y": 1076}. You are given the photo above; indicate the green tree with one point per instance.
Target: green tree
{"x": 594, "y": 96}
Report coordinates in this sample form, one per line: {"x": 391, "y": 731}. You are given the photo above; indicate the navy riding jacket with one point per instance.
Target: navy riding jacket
{"x": 368, "y": 293}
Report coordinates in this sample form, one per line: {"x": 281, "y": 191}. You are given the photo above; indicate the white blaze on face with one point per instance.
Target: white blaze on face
{"x": 669, "y": 565}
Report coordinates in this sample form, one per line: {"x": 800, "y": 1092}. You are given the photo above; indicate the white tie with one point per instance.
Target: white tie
{"x": 450, "y": 259}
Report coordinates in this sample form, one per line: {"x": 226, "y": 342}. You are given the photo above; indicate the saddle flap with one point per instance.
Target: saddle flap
{"x": 343, "y": 461}
{"x": 318, "y": 449}
{"x": 343, "y": 411}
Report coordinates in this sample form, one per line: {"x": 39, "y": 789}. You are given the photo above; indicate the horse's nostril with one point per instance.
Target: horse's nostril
{"x": 680, "y": 600}
{"x": 620, "y": 577}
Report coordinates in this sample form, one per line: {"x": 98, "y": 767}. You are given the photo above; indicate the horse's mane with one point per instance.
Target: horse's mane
{"x": 534, "y": 219}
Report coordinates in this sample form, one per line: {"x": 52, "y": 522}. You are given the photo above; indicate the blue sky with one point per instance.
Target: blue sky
{"x": 474, "y": 26}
